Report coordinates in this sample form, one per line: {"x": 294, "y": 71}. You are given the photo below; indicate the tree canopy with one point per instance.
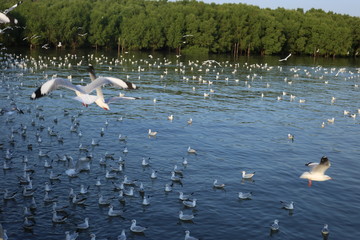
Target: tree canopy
{"x": 156, "y": 25}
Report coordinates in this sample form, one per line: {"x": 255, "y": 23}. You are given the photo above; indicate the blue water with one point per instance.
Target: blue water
{"x": 233, "y": 129}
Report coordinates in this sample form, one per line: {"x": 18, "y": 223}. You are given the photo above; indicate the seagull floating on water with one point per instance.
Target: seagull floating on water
{"x": 287, "y": 205}
{"x": 275, "y": 226}
{"x": 317, "y": 171}
{"x": 136, "y": 228}
{"x": 247, "y": 175}
{"x": 244, "y": 196}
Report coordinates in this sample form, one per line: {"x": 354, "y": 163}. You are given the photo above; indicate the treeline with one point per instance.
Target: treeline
{"x": 239, "y": 29}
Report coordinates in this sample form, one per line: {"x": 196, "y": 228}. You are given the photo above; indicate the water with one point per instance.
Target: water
{"x": 233, "y": 129}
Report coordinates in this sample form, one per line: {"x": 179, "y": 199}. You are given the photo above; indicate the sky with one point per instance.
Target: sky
{"x": 350, "y": 7}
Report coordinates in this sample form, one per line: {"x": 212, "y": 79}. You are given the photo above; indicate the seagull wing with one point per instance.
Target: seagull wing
{"x": 12, "y": 8}
{"x": 4, "y": 18}
{"x": 98, "y": 82}
{"x": 54, "y": 84}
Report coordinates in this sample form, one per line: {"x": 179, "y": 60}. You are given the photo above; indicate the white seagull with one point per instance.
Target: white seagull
{"x": 136, "y": 228}
{"x": 317, "y": 171}
{"x": 188, "y": 237}
{"x": 100, "y": 101}
{"x": 4, "y": 18}
{"x": 82, "y": 91}
{"x": 285, "y": 59}
{"x": 247, "y": 175}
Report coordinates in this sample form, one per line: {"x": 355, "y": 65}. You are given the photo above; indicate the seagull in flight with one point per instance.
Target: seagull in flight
{"x": 6, "y": 19}
{"x": 101, "y": 101}
{"x": 317, "y": 171}
{"x": 285, "y": 59}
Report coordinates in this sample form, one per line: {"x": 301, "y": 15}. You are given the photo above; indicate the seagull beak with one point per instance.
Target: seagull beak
{"x": 105, "y": 108}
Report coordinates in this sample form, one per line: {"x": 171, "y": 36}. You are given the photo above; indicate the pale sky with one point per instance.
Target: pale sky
{"x": 350, "y": 7}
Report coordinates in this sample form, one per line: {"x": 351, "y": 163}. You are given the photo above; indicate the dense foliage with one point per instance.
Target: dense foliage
{"x": 156, "y": 25}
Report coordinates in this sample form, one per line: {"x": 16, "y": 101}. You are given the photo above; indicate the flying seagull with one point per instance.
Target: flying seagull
{"x": 285, "y": 59}
{"x": 317, "y": 171}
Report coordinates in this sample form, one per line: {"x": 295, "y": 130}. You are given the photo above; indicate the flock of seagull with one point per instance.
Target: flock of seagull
{"x": 125, "y": 189}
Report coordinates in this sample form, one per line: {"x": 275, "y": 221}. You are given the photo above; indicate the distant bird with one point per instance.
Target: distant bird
{"x": 285, "y": 59}
{"x": 84, "y": 225}
{"x": 247, "y": 175}
{"x": 191, "y": 150}
{"x": 190, "y": 203}
{"x": 136, "y": 228}
{"x": 244, "y": 196}
{"x": 325, "y": 231}
{"x": 287, "y": 205}
{"x": 114, "y": 213}
{"x": 317, "y": 171}
{"x": 185, "y": 217}
{"x": 151, "y": 133}
{"x": 122, "y": 236}
{"x": 72, "y": 236}
{"x": 188, "y": 237}
{"x": 218, "y": 185}
{"x": 291, "y": 137}
{"x": 275, "y": 226}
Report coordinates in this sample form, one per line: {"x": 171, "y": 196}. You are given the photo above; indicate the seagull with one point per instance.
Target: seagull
{"x": 185, "y": 217}
{"x": 136, "y": 228}
{"x": 218, "y": 185}
{"x": 114, "y": 213}
{"x": 245, "y": 196}
{"x": 84, "y": 225}
{"x": 285, "y": 59}
{"x": 317, "y": 171}
{"x": 100, "y": 101}
{"x": 190, "y": 203}
{"x": 247, "y": 175}
{"x": 188, "y": 237}
{"x": 82, "y": 91}
{"x": 72, "y": 236}
{"x": 325, "y": 231}
{"x": 58, "y": 219}
{"x": 122, "y": 236}
{"x": 151, "y": 133}
{"x": 275, "y": 226}
{"x": 287, "y": 205}
{"x": 191, "y": 150}
{"x": 4, "y": 18}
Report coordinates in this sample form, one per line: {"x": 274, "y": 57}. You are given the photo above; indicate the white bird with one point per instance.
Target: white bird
{"x": 72, "y": 236}
{"x": 6, "y": 19}
{"x": 58, "y": 219}
{"x": 244, "y": 196}
{"x": 218, "y": 185}
{"x": 136, "y": 228}
{"x": 114, "y": 213}
{"x": 185, "y": 217}
{"x": 151, "y": 133}
{"x": 81, "y": 91}
{"x": 287, "y": 205}
{"x": 325, "y": 230}
{"x": 247, "y": 175}
{"x": 285, "y": 59}
{"x": 191, "y": 150}
{"x": 190, "y": 203}
{"x": 317, "y": 171}
{"x": 275, "y": 226}
{"x": 84, "y": 225}
{"x": 101, "y": 102}
{"x": 188, "y": 237}
{"x": 122, "y": 236}
{"x": 171, "y": 117}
